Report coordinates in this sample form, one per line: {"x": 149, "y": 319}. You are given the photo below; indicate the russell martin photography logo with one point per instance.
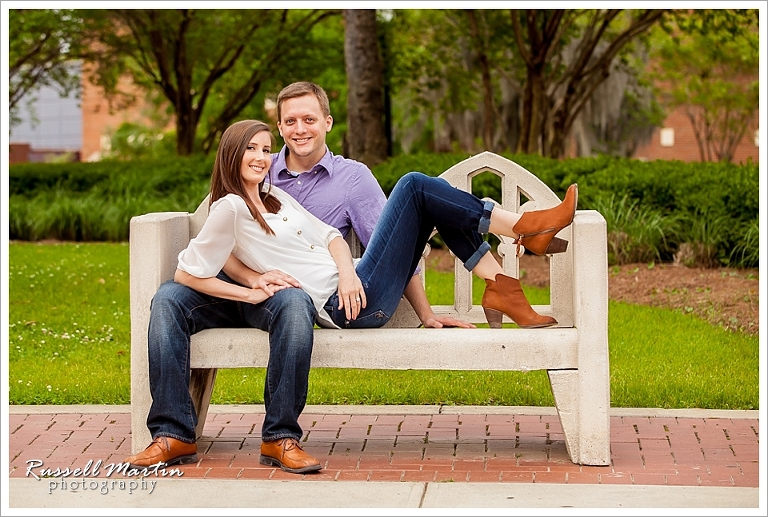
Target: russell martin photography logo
{"x": 135, "y": 479}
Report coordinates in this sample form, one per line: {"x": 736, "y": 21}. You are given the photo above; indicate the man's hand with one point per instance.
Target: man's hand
{"x": 438, "y": 322}
{"x": 275, "y": 280}
{"x": 414, "y": 293}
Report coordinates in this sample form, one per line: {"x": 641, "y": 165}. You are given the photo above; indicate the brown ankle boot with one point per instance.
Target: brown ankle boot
{"x": 504, "y": 295}
{"x": 536, "y": 229}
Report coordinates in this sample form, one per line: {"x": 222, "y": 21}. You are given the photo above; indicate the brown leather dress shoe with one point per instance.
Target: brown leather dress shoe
{"x": 164, "y": 449}
{"x": 288, "y": 455}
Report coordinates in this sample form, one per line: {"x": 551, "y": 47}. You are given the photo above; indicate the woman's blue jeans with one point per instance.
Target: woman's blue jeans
{"x": 417, "y": 205}
{"x": 177, "y": 312}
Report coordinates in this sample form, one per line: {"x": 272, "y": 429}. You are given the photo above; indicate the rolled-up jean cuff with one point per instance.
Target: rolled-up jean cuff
{"x": 477, "y": 255}
{"x": 485, "y": 220}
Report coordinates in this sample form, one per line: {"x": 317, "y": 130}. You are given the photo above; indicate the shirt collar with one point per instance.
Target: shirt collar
{"x": 326, "y": 162}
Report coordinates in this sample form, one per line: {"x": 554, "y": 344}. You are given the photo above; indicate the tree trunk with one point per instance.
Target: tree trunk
{"x": 186, "y": 115}
{"x": 541, "y": 29}
{"x": 366, "y": 136}
{"x": 489, "y": 120}
{"x": 534, "y": 113}
{"x": 186, "y": 129}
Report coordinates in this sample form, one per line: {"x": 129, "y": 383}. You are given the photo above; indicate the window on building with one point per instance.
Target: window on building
{"x": 667, "y": 137}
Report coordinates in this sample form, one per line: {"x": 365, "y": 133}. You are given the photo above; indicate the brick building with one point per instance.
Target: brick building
{"x": 100, "y": 119}
{"x": 676, "y": 141}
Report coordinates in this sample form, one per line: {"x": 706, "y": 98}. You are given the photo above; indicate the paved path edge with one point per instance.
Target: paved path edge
{"x": 390, "y": 410}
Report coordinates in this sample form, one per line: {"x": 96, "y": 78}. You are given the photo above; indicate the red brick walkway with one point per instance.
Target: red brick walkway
{"x": 387, "y": 446}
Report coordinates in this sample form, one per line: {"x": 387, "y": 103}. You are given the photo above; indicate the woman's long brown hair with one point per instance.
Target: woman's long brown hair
{"x": 227, "y": 178}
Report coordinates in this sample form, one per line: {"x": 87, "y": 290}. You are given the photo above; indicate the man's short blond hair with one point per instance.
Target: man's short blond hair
{"x": 301, "y": 89}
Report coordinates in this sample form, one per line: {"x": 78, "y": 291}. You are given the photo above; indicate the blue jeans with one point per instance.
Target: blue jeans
{"x": 178, "y": 311}
{"x": 417, "y": 205}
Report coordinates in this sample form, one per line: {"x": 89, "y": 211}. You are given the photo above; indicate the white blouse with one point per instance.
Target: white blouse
{"x": 299, "y": 246}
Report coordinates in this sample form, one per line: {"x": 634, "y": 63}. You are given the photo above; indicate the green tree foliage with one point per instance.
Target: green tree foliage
{"x": 131, "y": 141}
{"x": 708, "y": 64}
{"x": 42, "y": 43}
{"x": 435, "y": 78}
{"x": 567, "y": 55}
{"x": 533, "y": 73}
{"x": 186, "y": 57}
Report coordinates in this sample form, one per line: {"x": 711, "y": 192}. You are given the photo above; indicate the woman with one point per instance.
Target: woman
{"x": 268, "y": 230}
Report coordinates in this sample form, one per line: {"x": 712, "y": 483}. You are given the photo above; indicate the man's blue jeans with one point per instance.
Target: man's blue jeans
{"x": 417, "y": 205}
{"x": 178, "y": 312}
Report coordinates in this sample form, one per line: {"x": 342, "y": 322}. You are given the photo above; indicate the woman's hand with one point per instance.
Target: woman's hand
{"x": 351, "y": 293}
{"x": 275, "y": 280}
{"x": 216, "y": 287}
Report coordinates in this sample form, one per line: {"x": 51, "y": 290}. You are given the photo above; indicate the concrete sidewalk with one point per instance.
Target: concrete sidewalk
{"x": 399, "y": 457}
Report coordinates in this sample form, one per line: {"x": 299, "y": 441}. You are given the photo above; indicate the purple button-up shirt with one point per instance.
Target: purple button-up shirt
{"x": 339, "y": 191}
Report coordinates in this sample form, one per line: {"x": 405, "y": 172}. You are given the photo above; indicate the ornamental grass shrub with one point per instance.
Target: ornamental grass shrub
{"x": 699, "y": 213}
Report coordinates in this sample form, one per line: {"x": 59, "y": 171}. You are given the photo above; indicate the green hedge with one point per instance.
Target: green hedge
{"x": 652, "y": 208}
{"x": 713, "y": 207}
{"x": 95, "y": 201}
{"x": 155, "y": 177}
{"x": 666, "y": 185}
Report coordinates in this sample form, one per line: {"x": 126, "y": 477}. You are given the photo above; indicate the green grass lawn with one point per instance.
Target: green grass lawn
{"x": 69, "y": 325}
{"x": 69, "y": 343}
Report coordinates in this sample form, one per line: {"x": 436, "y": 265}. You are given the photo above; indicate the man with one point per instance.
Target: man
{"x": 342, "y": 192}
{"x": 339, "y": 191}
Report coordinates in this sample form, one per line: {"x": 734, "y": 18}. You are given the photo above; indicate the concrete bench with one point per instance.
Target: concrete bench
{"x": 574, "y": 353}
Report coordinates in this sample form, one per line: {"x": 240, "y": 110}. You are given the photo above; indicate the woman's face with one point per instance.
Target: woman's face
{"x": 256, "y": 159}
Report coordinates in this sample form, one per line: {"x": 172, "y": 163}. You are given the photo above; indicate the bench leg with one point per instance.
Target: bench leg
{"x": 583, "y": 417}
{"x": 200, "y": 389}
{"x": 141, "y": 401}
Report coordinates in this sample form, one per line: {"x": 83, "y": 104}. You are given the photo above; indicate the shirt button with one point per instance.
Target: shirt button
{"x": 298, "y": 182}
{"x": 299, "y": 232}
{"x": 285, "y": 218}
{"x": 311, "y": 246}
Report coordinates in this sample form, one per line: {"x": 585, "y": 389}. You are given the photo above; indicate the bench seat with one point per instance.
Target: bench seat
{"x": 400, "y": 349}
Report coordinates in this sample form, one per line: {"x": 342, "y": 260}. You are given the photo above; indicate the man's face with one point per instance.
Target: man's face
{"x": 303, "y": 126}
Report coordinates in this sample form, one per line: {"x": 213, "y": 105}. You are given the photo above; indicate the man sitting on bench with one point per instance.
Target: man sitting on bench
{"x": 337, "y": 190}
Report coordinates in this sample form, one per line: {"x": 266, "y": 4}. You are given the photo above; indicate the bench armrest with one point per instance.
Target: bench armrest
{"x": 156, "y": 239}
